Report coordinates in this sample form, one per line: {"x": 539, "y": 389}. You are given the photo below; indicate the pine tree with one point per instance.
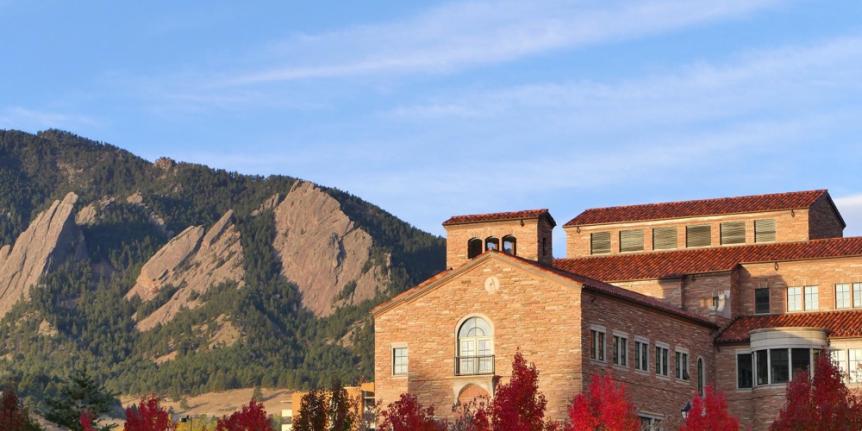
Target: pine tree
{"x": 79, "y": 394}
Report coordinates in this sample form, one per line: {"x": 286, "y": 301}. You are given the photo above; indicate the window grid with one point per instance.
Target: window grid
{"x": 855, "y": 365}
{"x": 842, "y": 295}
{"x": 641, "y": 356}
{"x": 620, "y": 356}
{"x": 661, "y": 358}
{"x": 744, "y": 371}
{"x": 857, "y": 294}
{"x": 598, "y": 345}
{"x": 761, "y": 300}
{"x": 681, "y": 365}
{"x": 794, "y": 299}
{"x": 812, "y": 298}
{"x": 399, "y": 361}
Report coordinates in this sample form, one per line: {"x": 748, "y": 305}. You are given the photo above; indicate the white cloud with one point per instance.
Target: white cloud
{"x": 462, "y": 35}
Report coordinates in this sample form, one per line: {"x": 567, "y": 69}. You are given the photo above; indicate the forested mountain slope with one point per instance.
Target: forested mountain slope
{"x": 178, "y": 278}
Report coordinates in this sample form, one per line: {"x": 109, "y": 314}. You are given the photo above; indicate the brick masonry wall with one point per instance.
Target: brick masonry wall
{"x": 668, "y": 290}
{"x": 650, "y": 393}
{"x": 529, "y": 238}
{"x": 824, "y": 273}
{"x": 823, "y": 221}
{"x": 533, "y": 310}
{"x": 790, "y": 226}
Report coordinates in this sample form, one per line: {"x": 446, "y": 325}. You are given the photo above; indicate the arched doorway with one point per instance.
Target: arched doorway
{"x": 473, "y": 393}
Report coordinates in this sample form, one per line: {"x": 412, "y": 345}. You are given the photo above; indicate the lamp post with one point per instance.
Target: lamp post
{"x": 685, "y": 409}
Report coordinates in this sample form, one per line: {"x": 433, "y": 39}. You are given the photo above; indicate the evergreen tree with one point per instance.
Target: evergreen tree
{"x": 79, "y": 395}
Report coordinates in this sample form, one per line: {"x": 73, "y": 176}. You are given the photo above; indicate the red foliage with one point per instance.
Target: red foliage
{"x": 12, "y": 416}
{"x": 250, "y": 418}
{"x": 148, "y": 416}
{"x": 710, "y": 414}
{"x": 518, "y": 405}
{"x": 823, "y": 404}
{"x": 407, "y": 414}
{"x": 604, "y": 406}
{"x": 86, "y": 421}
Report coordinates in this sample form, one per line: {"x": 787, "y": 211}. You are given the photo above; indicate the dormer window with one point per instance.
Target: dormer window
{"x": 509, "y": 245}
{"x": 492, "y": 244}
{"x": 474, "y": 248}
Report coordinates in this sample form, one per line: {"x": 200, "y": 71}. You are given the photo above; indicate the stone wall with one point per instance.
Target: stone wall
{"x": 528, "y": 233}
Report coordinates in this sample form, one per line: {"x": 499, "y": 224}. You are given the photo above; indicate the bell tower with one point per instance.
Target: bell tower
{"x": 526, "y": 234}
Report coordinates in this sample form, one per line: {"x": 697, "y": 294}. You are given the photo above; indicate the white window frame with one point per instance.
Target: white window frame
{"x": 684, "y": 356}
{"x": 655, "y": 421}
{"x": 856, "y": 288}
{"x": 598, "y": 351}
{"x": 395, "y": 365}
{"x": 620, "y": 336}
{"x": 812, "y": 298}
{"x": 844, "y": 299}
{"x": 795, "y": 292}
{"x": 643, "y": 355}
{"x": 661, "y": 363}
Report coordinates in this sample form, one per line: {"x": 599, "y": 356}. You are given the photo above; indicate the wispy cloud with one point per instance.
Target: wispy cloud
{"x": 18, "y": 117}
{"x": 456, "y": 36}
{"x": 794, "y": 76}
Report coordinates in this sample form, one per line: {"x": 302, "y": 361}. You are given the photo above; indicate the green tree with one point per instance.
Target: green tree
{"x": 80, "y": 393}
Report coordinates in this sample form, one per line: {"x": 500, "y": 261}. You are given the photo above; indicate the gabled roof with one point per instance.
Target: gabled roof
{"x": 836, "y": 323}
{"x": 702, "y": 207}
{"x": 510, "y": 215}
{"x": 589, "y": 284}
{"x": 671, "y": 264}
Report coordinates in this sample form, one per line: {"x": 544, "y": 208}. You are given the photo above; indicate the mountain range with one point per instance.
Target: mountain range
{"x": 177, "y": 278}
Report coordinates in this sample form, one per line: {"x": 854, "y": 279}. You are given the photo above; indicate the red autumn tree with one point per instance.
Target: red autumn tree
{"x": 710, "y": 414}
{"x": 250, "y": 418}
{"x": 823, "y": 403}
{"x": 604, "y": 407}
{"x": 13, "y": 415}
{"x": 472, "y": 416}
{"x": 86, "y": 421}
{"x": 518, "y": 405}
{"x": 148, "y": 415}
{"x": 407, "y": 414}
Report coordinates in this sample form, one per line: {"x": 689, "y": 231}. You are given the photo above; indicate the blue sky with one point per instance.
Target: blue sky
{"x": 430, "y": 110}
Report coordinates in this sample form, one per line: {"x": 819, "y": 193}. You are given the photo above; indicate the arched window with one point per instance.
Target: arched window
{"x": 474, "y": 248}
{"x": 510, "y": 245}
{"x": 475, "y": 347}
{"x": 492, "y": 243}
{"x": 701, "y": 377}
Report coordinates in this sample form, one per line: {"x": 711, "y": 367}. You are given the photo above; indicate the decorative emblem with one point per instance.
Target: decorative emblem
{"x": 492, "y": 284}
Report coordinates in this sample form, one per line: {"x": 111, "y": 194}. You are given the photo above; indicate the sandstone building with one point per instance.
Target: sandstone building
{"x": 668, "y": 298}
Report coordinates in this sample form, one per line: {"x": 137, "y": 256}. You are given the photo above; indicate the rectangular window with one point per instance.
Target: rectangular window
{"x": 600, "y": 243}
{"x": 744, "y": 371}
{"x": 598, "y": 349}
{"x": 839, "y": 358}
{"x": 762, "y": 363}
{"x": 698, "y": 236}
{"x": 649, "y": 423}
{"x": 620, "y": 351}
{"x": 794, "y": 299}
{"x": 661, "y": 357}
{"x": 842, "y": 295}
{"x": 857, "y": 295}
{"x": 761, "y": 300}
{"x": 681, "y": 365}
{"x": 812, "y": 298}
{"x": 800, "y": 360}
{"x": 779, "y": 366}
{"x": 631, "y": 240}
{"x": 764, "y": 230}
{"x": 641, "y": 356}
{"x": 733, "y": 232}
{"x": 854, "y": 369}
{"x": 399, "y": 361}
{"x": 664, "y": 238}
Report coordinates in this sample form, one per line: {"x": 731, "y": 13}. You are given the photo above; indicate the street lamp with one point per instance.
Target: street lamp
{"x": 685, "y": 409}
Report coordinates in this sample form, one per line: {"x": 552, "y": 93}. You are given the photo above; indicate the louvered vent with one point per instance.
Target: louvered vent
{"x": 600, "y": 243}
{"x": 733, "y": 232}
{"x": 764, "y": 230}
{"x": 631, "y": 240}
{"x": 664, "y": 238}
{"x": 697, "y": 236}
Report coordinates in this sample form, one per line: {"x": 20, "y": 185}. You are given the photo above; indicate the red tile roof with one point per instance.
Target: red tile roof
{"x": 671, "y": 264}
{"x": 837, "y": 323}
{"x": 669, "y": 210}
{"x": 511, "y": 215}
